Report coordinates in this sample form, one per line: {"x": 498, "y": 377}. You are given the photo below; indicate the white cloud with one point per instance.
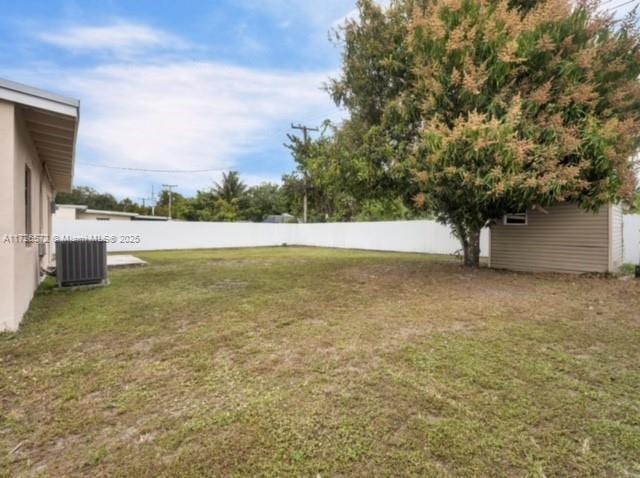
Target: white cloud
{"x": 167, "y": 113}
{"x": 313, "y": 14}
{"x": 349, "y": 16}
{"x": 187, "y": 114}
{"x": 184, "y": 115}
{"x": 354, "y": 14}
{"x": 119, "y": 37}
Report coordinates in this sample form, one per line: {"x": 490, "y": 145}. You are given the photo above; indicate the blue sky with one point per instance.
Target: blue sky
{"x": 178, "y": 85}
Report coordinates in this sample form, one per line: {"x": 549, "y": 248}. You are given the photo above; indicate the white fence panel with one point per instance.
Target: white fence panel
{"x": 174, "y": 234}
{"x": 403, "y": 236}
{"x": 631, "y": 237}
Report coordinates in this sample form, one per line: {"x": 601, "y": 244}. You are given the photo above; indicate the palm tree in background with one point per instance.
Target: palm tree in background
{"x": 230, "y": 188}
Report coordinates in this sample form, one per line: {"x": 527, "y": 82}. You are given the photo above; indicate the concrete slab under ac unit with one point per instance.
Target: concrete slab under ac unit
{"x": 124, "y": 260}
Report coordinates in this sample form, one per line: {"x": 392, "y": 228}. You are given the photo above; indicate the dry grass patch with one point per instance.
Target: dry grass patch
{"x": 312, "y": 361}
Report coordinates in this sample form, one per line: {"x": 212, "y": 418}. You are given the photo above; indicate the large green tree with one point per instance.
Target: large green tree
{"x": 479, "y": 108}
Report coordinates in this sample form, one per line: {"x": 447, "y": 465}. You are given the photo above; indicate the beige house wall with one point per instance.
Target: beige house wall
{"x": 20, "y": 261}
{"x": 565, "y": 238}
{"x": 7, "y": 215}
{"x": 36, "y": 128}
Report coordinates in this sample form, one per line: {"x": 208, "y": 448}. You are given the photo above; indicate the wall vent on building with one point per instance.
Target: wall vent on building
{"x": 81, "y": 262}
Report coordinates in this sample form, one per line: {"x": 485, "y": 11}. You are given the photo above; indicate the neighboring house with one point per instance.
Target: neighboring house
{"x": 562, "y": 238}
{"x": 37, "y": 147}
{"x": 71, "y": 211}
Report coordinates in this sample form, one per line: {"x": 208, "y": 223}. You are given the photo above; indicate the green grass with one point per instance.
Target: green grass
{"x": 627, "y": 269}
{"x": 299, "y": 361}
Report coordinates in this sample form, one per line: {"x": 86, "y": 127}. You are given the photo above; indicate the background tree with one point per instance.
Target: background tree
{"x": 491, "y": 109}
{"x": 178, "y": 205}
{"x": 293, "y": 191}
{"x": 263, "y": 200}
{"x": 383, "y": 210}
{"x": 318, "y": 171}
{"x": 377, "y": 70}
{"x": 226, "y": 211}
{"x": 230, "y": 187}
{"x": 202, "y": 207}
{"x": 86, "y": 196}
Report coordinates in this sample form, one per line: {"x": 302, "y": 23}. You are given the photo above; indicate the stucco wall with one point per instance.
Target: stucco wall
{"x": 7, "y": 286}
{"x": 26, "y": 260}
{"x": 20, "y": 261}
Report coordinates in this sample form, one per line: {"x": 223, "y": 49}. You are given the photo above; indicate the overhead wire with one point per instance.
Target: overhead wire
{"x": 145, "y": 170}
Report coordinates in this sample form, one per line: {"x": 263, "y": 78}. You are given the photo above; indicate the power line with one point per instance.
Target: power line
{"x": 144, "y": 170}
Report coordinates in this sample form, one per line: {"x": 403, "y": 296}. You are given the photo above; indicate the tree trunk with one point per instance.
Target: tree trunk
{"x": 471, "y": 248}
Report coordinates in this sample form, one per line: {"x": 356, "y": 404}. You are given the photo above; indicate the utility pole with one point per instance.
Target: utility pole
{"x": 169, "y": 187}
{"x": 305, "y": 133}
{"x": 153, "y": 202}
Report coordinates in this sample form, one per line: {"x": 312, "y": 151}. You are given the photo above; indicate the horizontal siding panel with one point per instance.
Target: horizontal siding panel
{"x": 565, "y": 239}
{"x": 584, "y": 268}
{"x": 558, "y": 253}
{"x": 506, "y": 263}
{"x": 559, "y": 230}
{"x": 529, "y": 262}
{"x": 542, "y": 241}
{"x": 546, "y": 244}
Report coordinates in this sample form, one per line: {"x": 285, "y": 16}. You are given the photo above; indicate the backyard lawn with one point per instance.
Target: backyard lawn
{"x": 280, "y": 361}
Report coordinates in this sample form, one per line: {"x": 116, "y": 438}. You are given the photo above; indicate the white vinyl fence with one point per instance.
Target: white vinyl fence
{"x": 401, "y": 236}
{"x": 631, "y": 238}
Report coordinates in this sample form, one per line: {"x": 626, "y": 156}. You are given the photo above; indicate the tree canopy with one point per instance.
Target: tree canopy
{"x": 86, "y": 196}
{"x": 477, "y": 108}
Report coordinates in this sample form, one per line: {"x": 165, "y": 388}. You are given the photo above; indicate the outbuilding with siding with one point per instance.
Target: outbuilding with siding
{"x": 561, "y": 238}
